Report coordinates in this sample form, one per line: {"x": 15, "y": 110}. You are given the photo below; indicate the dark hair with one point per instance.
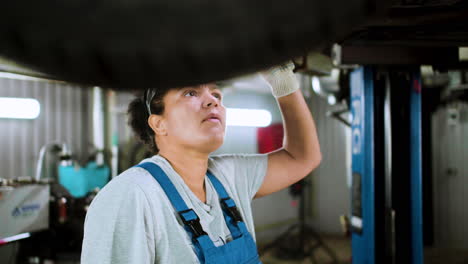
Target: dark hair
{"x": 138, "y": 117}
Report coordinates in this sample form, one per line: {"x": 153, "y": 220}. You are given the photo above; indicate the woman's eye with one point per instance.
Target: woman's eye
{"x": 217, "y": 95}
{"x": 190, "y": 93}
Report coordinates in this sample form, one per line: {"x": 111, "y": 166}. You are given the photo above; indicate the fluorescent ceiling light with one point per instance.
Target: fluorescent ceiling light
{"x": 19, "y": 108}
{"x": 248, "y": 117}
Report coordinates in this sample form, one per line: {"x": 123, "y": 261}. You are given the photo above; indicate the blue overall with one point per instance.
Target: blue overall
{"x": 241, "y": 250}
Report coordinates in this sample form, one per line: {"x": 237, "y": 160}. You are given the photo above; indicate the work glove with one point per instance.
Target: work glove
{"x": 281, "y": 79}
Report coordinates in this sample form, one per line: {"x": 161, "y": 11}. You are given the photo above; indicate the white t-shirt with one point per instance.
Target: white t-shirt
{"x": 131, "y": 220}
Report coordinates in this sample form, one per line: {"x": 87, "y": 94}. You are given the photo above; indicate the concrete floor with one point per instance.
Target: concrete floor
{"x": 445, "y": 256}
{"x": 341, "y": 247}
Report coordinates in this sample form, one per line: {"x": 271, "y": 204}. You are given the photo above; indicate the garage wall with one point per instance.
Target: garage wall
{"x": 330, "y": 194}
{"x": 64, "y": 110}
{"x": 450, "y": 176}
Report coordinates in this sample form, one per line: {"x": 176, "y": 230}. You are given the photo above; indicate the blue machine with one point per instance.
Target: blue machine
{"x": 79, "y": 181}
{"x": 386, "y": 209}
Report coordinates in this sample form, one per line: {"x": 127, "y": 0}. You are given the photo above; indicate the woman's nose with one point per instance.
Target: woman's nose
{"x": 210, "y": 101}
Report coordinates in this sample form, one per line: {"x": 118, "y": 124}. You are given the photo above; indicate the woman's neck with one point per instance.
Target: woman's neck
{"x": 191, "y": 166}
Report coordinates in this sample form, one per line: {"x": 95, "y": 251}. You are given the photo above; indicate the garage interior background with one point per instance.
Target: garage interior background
{"x": 91, "y": 122}
{"x": 67, "y": 116}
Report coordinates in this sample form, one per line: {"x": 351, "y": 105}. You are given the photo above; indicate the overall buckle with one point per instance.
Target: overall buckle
{"x": 194, "y": 224}
{"x": 231, "y": 210}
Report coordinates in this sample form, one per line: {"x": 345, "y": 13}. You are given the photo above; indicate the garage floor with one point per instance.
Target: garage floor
{"x": 341, "y": 246}
{"x": 445, "y": 256}
{"x": 342, "y": 249}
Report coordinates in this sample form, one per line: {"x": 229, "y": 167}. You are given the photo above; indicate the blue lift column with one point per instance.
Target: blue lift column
{"x": 363, "y": 191}
{"x": 416, "y": 170}
{"x": 386, "y": 205}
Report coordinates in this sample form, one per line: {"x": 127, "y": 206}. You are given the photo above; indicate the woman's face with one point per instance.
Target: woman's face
{"x": 195, "y": 117}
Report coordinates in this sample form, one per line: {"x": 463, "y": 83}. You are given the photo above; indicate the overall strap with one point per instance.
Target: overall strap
{"x": 231, "y": 214}
{"x": 189, "y": 217}
{"x": 166, "y": 184}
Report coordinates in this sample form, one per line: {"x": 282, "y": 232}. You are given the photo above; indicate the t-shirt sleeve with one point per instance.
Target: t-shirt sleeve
{"x": 118, "y": 228}
{"x": 246, "y": 171}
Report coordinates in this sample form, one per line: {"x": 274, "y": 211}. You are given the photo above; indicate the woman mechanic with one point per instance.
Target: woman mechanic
{"x": 183, "y": 205}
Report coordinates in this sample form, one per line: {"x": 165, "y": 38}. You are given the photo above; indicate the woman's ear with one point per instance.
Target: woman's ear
{"x": 156, "y": 122}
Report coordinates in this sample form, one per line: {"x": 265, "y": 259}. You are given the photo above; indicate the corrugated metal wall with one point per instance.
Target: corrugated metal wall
{"x": 330, "y": 191}
{"x": 450, "y": 177}
{"x": 63, "y": 118}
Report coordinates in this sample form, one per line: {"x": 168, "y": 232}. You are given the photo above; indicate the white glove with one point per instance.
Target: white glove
{"x": 281, "y": 79}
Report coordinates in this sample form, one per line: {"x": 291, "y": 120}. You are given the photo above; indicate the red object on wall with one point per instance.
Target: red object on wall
{"x": 269, "y": 138}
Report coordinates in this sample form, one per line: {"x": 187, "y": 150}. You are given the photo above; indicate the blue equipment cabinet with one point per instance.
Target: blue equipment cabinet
{"x": 386, "y": 205}
{"x": 79, "y": 181}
